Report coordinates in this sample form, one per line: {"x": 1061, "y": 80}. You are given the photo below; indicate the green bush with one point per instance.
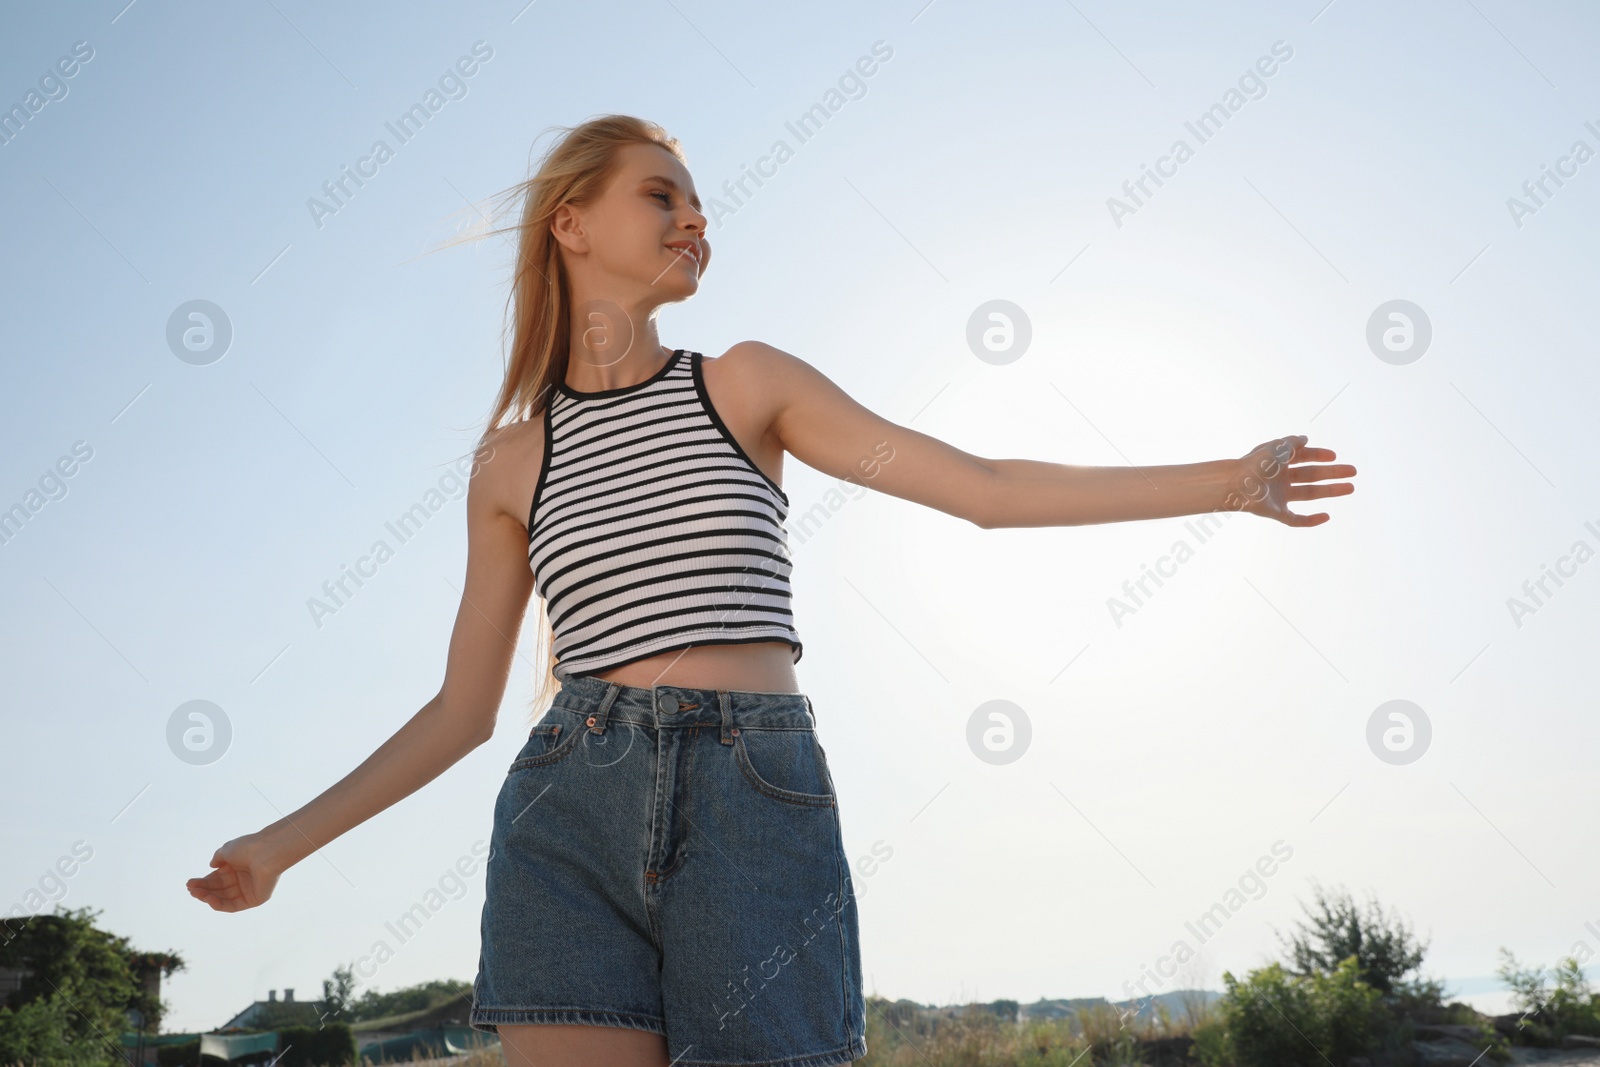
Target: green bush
{"x": 1276, "y": 1019}
{"x": 42, "y": 1031}
{"x": 81, "y": 983}
{"x": 184, "y": 1055}
{"x": 1211, "y": 1042}
{"x": 310, "y": 1046}
{"x": 1551, "y": 1013}
{"x": 1383, "y": 945}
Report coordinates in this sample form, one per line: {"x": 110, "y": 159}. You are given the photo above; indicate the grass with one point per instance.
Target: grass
{"x": 904, "y": 1035}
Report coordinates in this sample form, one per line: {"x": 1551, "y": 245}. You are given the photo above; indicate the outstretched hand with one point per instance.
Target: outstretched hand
{"x": 1269, "y": 480}
{"x": 244, "y": 876}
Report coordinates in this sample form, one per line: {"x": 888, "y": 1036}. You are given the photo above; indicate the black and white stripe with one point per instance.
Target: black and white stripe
{"x": 651, "y": 530}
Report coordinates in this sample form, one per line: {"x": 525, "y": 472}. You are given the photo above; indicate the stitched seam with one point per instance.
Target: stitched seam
{"x": 844, "y": 904}
{"x": 813, "y": 800}
{"x": 851, "y": 1051}
{"x": 554, "y": 756}
{"x": 688, "y": 785}
{"x": 650, "y": 850}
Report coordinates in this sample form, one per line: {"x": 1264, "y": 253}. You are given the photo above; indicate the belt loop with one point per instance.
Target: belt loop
{"x": 597, "y": 721}
{"x": 726, "y": 703}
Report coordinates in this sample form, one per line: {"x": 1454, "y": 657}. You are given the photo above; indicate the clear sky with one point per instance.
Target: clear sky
{"x": 1172, "y": 740}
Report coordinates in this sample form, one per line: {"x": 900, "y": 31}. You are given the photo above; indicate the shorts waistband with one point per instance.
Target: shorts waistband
{"x": 676, "y": 706}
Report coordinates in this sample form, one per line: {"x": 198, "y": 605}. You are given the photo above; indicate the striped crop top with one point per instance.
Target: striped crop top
{"x": 651, "y": 530}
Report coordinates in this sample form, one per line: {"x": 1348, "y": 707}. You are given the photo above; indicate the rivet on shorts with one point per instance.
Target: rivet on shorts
{"x": 555, "y": 729}
{"x": 734, "y": 731}
{"x": 590, "y": 720}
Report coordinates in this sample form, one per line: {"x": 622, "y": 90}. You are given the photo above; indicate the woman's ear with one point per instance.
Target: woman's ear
{"x": 566, "y": 226}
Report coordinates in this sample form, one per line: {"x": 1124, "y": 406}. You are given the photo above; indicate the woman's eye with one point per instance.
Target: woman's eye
{"x": 666, "y": 198}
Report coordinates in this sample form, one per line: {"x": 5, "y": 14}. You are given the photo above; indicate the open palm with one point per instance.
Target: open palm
{"x": 243, "y": 877}
{"x": 1272, "y": 480}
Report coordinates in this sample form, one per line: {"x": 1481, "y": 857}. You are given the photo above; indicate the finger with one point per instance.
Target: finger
{"x": 222, "y": 882}
{"x": 1317, "y": 473}
{"x": 226, "y": 899}
{"x": 1312, "y": 492}
{"x": 209, "y": 899}
{"x": 1303, "y": 451}
{"x": 1320, "y": 455}
{"x": 1291, "y": 519}
{"x": 1283, "y": 448}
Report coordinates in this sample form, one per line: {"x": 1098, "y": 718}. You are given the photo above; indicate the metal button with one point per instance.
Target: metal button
{"x": 734, "y": 731}
{"x": 589, "y": 720}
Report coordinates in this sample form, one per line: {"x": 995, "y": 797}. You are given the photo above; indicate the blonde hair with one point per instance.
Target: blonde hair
{"x": 576, "y": 170}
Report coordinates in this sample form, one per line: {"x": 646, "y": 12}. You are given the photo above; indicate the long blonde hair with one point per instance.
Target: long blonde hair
{"x": 576, "y": 170}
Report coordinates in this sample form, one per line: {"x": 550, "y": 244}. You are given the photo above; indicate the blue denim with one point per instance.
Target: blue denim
{"x": 671, "y": 860}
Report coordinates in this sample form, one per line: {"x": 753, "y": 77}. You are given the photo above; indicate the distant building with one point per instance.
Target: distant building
{"x": 11, "y": 981}
{"x": 273, "y": 1013}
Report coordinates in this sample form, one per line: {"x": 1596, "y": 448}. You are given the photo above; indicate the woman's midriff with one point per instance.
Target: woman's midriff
{"x": 758, "y": 667}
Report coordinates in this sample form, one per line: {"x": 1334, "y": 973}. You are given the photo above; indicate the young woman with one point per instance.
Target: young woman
{"x": 667, "y": 880}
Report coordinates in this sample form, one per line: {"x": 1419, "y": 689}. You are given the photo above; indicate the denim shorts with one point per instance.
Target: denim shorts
{"x": 671, "y": 860}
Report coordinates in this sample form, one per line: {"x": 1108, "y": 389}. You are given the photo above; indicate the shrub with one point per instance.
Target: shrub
{"x": 309, "y": 1046}
{"x": 184, "y": 1055}
{"x": 1277, "y": 1019}
{"x": 1551, "y": 1013}
{"x": 1383, "y": 945}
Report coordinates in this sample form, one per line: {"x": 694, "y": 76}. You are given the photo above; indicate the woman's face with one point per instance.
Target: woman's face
{"x": 643, "y": 240}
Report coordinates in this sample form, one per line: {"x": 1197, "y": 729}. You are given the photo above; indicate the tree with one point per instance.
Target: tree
{"x": 336, "y": 992}
{"x": 164, "y": 964}
{"x": 1383, "y": 945}
{"x": 79, "y": 982}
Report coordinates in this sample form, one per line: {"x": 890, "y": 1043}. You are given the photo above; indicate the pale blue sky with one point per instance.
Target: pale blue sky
{"x": 1227, "y": 713}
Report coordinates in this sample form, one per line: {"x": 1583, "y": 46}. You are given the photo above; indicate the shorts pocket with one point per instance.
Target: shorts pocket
{"x": 785, "y": 765}
{"x": 551, "y": 741}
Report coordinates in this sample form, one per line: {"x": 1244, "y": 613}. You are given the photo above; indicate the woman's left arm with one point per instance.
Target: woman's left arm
{"x": 822, "y": 426}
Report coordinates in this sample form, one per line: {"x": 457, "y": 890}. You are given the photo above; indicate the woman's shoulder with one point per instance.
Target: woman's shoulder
{"x": 753, "y": 353}
{"x": 753, "y": 364}
{"x": 507, "y": 461}
{"x": 519, "y": 440}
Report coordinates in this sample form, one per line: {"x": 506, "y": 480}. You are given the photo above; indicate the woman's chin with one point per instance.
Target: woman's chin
{"x": 682, "y": 287}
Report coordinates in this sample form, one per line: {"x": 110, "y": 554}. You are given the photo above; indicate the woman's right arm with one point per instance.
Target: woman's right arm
{"x": 457, "y": 720}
